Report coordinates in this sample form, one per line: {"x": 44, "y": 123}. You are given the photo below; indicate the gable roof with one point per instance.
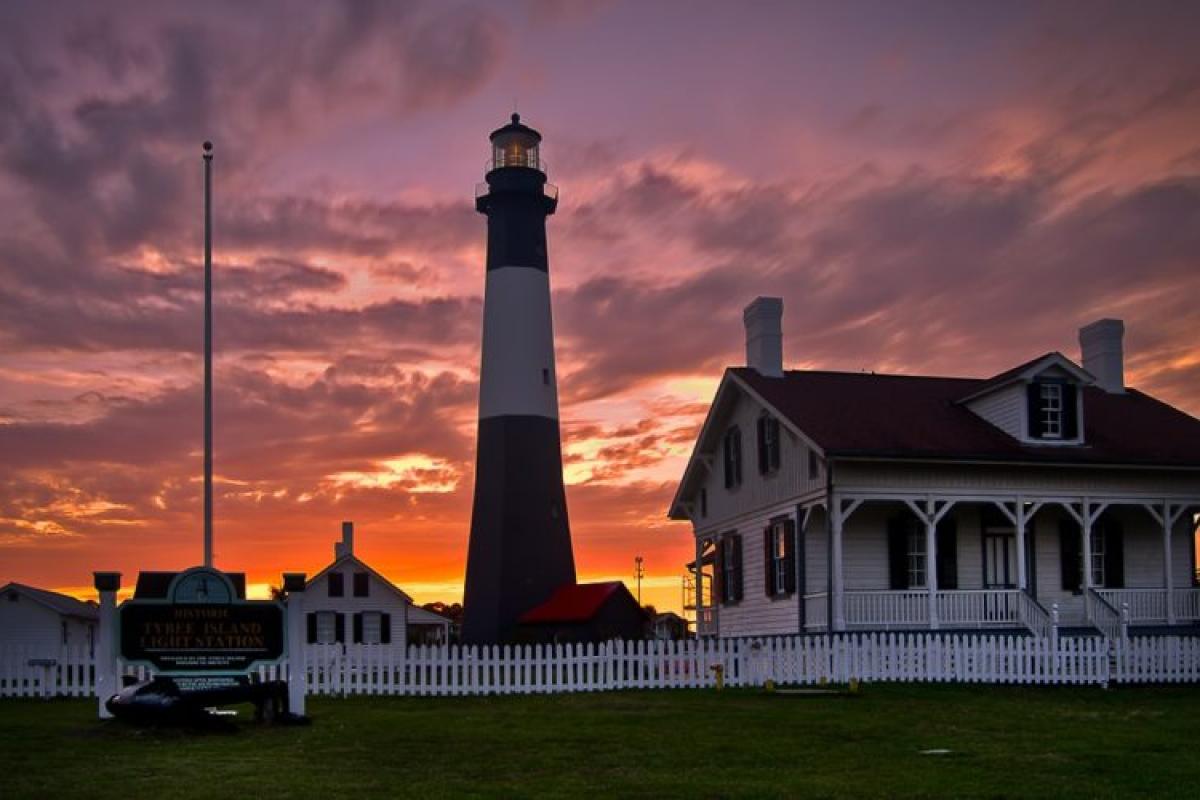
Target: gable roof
{"x": 1028, "y": 370}
{"x": 577, "y": 602}
{"x": 915, "y": 417}
{"x": 352, "y": 560}
{"x": 61, "y": 603}
{"x": 153, "y": 585}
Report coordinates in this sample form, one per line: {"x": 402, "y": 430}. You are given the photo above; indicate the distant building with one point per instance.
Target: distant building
{"x": 668, "y": 626}
{"x": 854, "y": 501}
{"x": 585, "y": 612}
{"x": 348, "y": 602}
{"x": 45, "y": 622}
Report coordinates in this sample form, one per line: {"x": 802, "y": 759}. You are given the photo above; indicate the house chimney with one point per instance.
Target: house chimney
{"x": 346, "y": 546}
{"x": 1104, "y": 353}
{"x": 764, "y": 336}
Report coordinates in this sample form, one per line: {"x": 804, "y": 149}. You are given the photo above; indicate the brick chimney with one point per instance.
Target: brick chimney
{"x": 1103, "y": 350}
{"x": 346, "y": 546}
{"x": 764, "y": 336}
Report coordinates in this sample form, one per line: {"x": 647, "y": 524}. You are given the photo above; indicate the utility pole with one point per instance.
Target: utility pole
{"x": 638, "y": 572}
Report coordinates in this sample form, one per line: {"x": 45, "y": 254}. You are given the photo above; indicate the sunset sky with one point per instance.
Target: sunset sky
{"x": 944, "y": 188}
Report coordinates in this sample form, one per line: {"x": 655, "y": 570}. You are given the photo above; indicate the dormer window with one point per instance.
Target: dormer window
{"x": 1051, "y": 410}
{"x": 733, "y": 458}
{"x": 1052, "y": 413}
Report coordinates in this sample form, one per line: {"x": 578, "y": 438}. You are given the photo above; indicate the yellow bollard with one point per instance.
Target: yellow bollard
{"x": 719, "y": 671}
{"x": 854, "y": 686}
{"x": 770, "y": 685}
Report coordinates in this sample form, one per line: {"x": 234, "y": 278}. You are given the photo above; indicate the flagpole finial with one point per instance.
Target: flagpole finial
{"x": 208, "y": 149}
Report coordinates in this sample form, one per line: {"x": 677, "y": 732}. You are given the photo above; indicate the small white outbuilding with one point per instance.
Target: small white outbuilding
{"x": 42, "y": 622}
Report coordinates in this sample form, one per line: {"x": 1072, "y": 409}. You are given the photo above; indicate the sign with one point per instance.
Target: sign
{"x": 201, "y": 628}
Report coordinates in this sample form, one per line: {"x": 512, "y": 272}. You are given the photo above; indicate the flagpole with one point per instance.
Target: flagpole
{"x": 208, "y": 428}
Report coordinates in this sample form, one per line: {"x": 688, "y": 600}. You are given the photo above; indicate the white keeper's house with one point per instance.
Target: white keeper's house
{"x": 856, "y": 501}
{"x": 348, "y": 602}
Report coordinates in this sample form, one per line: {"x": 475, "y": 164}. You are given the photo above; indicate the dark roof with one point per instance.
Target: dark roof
{"x": 62, "y": 603}
{"x": 154, "y": 585}
{"x": 902, "y": 416}
{"x": 575, "y": 602}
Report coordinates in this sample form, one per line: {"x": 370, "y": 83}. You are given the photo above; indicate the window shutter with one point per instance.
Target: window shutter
{"x": 719, "y": 572}
{"x": 947, "y": 556}
{"x": 789, "y": 557}
{"x": 1070, "y": 413}
{"x": 1114, "y": 553}
{"x": 1068, "y": 549}
{"x": 312, "y": 627}
{"x": 727, "y": 455}
{"x": 1034, "y": 398}
{"x": 768, "y": 563}
{"x": 898, "y": 553}
{"x": 339, "y": 632}
{"x": 358, "y": 628}
{"x": 762, "y": 446}
{"x": 777, "y": 447}
{"x": 739, "y": 584}
{"x": 385, "y": 628}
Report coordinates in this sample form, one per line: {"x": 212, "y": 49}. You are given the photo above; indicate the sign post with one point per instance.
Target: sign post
{"x": 293, "y": 586}
{"x": 107, "y": 681}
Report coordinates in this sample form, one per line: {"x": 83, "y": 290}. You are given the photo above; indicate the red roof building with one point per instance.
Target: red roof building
{"x": 585, "y": 612}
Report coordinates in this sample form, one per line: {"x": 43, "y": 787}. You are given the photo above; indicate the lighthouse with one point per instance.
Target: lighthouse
{"x": 520, "y": 548}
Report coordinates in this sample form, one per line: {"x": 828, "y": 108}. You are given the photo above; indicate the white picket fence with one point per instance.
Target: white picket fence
{"x": 338, "y": 670}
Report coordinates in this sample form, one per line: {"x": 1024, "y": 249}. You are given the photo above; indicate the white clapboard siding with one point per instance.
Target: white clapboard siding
{"x": 339, "y": 671}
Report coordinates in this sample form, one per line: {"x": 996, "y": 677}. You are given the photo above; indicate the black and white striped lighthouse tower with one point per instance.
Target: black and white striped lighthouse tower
{"x": 520, "y": 549}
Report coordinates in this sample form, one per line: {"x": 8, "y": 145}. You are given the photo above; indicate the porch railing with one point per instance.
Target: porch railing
{"x": 887, "y": 609}
{"x": 979, "y": 608}
{"x": 1033, "y": 616}
{"x": 1145, "y": 605}
{"x": 1149, "y": 606}
{"x": 1187, "y": 604}
{"x": 1102, "y": 615}
{"x": 816, "y": 611}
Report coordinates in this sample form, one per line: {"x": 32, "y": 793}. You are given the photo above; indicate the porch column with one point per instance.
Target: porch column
{"x": 1166, "y": 536}
{"x": 1020, "y": 522}
{"x": 931, "y": 563}
{"x": 837, "y": 585}
{"x": 1088, "y": 520}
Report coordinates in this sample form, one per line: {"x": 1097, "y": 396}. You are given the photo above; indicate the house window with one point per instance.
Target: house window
{"x": 733, "y": 458}
{"x": 779, "y": 559}
{"x": 372, "y": 632}
{"x": 731, "y": 569}
{"x": 768, "y": 444}
{"x": 814, "y": 466}
{"x": 704, "y": 502}
{"x": 1098, "y": 540}
{"x": 326, "y": 627}
{"x": 1051, "y": 410}
{"x": 64, "y": 631}
{"x": 361, "y": 585}
{"x": 915, "y": 558}
{"x": 91, "y": 640}
{"x": 337, "y": 584}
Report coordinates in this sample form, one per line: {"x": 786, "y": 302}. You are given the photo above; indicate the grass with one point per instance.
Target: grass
{"x": 1005, "y": 741}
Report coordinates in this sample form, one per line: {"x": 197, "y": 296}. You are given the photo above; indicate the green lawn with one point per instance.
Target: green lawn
{"x": 1049, "y": 742}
